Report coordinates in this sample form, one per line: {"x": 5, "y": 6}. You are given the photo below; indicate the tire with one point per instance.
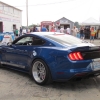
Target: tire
{"x": 40, "y": 72}
{"x": 0, "y": 65}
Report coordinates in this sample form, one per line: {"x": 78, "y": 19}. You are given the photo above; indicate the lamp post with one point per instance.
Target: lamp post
{"x": 27, "y": 12}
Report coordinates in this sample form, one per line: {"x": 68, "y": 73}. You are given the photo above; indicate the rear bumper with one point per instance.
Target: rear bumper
{"x": 85, "y": 75}
{"x": 80, "y": 76}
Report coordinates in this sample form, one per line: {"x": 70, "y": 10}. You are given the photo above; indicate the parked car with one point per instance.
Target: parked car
{"x": 51, "y": 56}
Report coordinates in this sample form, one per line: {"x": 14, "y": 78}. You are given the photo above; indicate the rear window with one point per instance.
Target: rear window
{"x": 65, "y": 39}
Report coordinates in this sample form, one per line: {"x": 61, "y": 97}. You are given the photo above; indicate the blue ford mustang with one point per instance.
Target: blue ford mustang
{"x": 50, "y": 56}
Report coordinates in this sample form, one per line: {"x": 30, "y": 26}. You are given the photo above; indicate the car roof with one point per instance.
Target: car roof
{"x": 45, "y": 33}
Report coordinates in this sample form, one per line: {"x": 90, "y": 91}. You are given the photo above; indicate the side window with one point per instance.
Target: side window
{"x": 24, "y": 41}
{"x": 30, "y": 41}
{"x": 37, "y": 41}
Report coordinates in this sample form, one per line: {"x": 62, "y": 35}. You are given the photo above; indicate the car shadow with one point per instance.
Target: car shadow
{"x": 15, "y": 71}
{"x": 74, "y": 85}
{"x": 84, "y": 84}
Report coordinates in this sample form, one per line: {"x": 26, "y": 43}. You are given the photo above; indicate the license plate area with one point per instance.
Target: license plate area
{"x": 96, "y": 64}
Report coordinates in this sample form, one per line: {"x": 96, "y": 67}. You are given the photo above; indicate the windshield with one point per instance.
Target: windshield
{"x": 65, "y": 39}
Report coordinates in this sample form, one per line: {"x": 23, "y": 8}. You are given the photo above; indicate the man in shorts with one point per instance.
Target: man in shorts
{"x": 92, "y": 34}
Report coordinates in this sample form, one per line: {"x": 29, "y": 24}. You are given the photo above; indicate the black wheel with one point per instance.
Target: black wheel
{"x": 40, "y": 72}
{"x": 0, "y": 65}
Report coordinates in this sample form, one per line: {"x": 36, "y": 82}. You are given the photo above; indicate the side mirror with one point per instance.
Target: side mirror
{"x": 9, "y": 43}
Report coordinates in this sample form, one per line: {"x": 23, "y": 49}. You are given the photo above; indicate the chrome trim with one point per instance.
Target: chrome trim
{"x": 11, "y": 64}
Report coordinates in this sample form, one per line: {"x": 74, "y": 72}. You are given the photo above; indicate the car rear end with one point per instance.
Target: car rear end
{"x": 76, "y": 59}
{"x": 86, "y": 62}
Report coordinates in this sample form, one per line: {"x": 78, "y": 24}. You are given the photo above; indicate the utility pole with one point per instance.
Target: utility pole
{"x": 27, "y": 12}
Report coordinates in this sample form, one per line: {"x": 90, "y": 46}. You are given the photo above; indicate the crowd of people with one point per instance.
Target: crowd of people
{"x": 91, "y": 33}
{"x": 42, "y": 29}
{"x": 77, "y": 32}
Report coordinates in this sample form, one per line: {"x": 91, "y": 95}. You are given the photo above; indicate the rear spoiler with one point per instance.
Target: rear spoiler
{"x": 88, "y": 52}
{"x": 86, "y": 48}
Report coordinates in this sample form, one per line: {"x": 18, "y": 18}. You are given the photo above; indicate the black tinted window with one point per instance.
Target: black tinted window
{"x": 38, "y": 41}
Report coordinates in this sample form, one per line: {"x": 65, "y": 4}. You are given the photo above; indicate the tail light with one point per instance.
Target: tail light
{"x": 75, "y": 56}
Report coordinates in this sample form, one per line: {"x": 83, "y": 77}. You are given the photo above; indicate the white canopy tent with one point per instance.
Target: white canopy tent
{"x": 90, "y": 22}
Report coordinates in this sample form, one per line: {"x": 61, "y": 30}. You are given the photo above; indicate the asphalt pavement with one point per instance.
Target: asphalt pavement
{"x": 96, "y": 41}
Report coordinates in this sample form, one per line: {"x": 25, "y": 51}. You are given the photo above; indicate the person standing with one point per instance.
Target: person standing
{"x": 52, "y": 29}
{"x": 44, "y": 29}
{"x": 68, "y": 30}
{"x": 24, "y": 31}
{"x": 74, "y": 31}
{"x": 20, "y": 31}
{"x": 28, "y": 32}
{"x": 98, "y": 32}
{"x": 16, "y": 32}
{"x": 65, "y": 30}
{"x": 92, "y": 34}
{"x": 31, "y": 29}
{"x": 58, "y": 29}
{"x": 62, "y": 29}
{"x": 35, "y": 29}
{"x": 82, "y": 35}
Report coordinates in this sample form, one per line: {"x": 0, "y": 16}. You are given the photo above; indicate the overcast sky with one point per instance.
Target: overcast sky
{"x": 52, "y": 10}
